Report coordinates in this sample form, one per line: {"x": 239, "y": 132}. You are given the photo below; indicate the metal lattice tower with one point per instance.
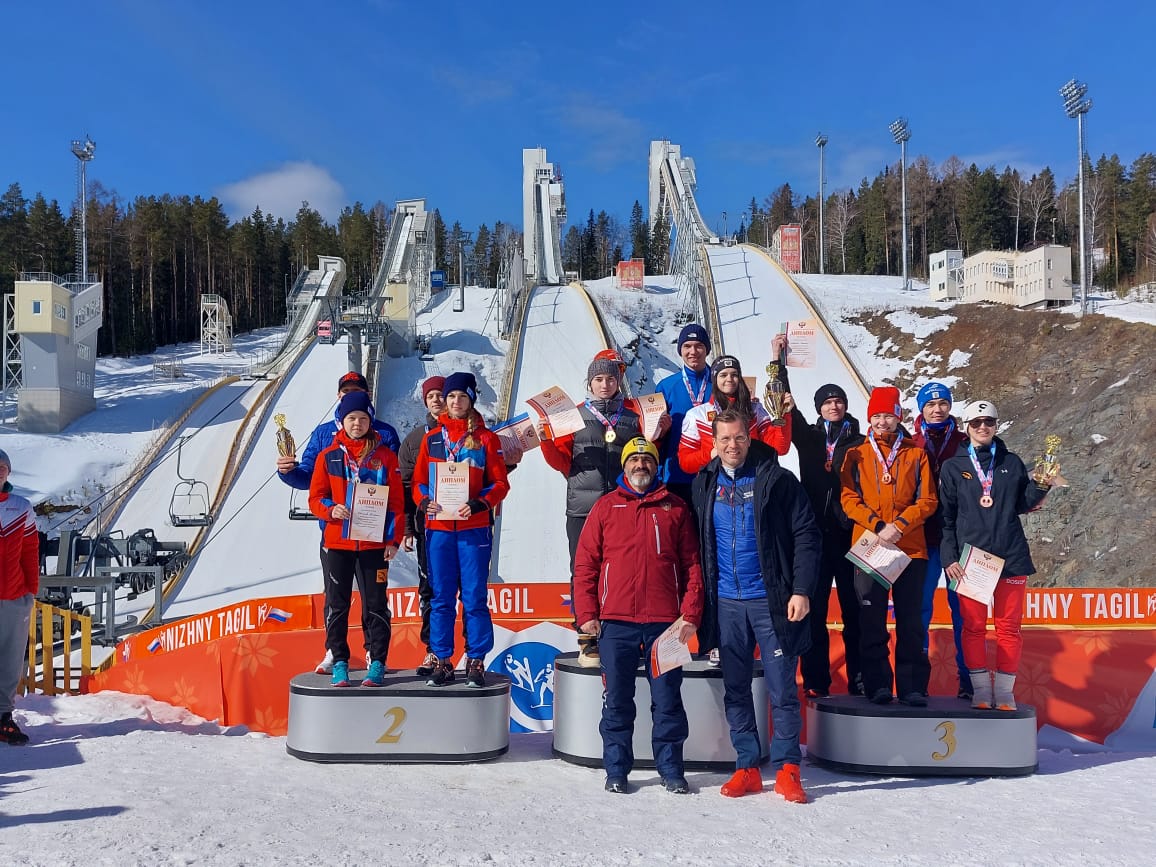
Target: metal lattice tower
{"x": 13, "y": 370}
{"x": 84, "y": 151}
{"x": 216, "y": 325}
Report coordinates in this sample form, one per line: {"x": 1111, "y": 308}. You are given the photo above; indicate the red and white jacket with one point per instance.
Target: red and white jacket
{"x": 697, "y": 442}
{"x": 19, "y": 548}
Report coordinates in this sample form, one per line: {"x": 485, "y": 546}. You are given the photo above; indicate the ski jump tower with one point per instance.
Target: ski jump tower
{"x": 543, "y": 215}
{"x": 57, "y": 320}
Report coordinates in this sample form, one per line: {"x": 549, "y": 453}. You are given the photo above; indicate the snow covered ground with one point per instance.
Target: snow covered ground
{"x": 115, "y": 779}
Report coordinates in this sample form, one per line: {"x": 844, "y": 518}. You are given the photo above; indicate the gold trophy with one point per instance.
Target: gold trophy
{"x": 1047, "y": 469}
{"x": 774, "y": 395}
{"x": 286, "y": 447}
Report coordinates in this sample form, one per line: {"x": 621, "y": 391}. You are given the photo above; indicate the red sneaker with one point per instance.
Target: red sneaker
{"x": 745, "y": 781}
{"x": 788, "y": 785}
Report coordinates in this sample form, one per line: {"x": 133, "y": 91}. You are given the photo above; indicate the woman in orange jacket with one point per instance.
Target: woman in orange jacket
{"x": 887, "y": 488}
{"x": 358, "y": 462}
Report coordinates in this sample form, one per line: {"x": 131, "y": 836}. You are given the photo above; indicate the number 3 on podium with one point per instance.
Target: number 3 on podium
{"x": 947, "y": 738}
{"x": 392, "y": 735}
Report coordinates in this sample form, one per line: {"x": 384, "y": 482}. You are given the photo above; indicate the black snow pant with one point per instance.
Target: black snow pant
{"x": 370, "y": 570}
{"x": 912, "y": 668}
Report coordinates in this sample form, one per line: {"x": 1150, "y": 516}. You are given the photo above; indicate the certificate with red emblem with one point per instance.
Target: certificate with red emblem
{"x": 652, "y": 406}
{"x": 368, "y": 512}
{"x": 556, "y": 408}
{"x": 883, "y": 562}
{"x": 451, "y": 488}
{"x": 981, "y": 572}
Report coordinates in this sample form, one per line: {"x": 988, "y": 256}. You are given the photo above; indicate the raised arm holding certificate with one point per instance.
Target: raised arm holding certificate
{"x": 652, "y": 406}
{"x": 981, "y": 572}
{"x": 668, "y": 651}
{"x": 451, "y": 489}
{"x": 558, "y": 410}
{"x": 802, "y": 335}
{"x": 369, "y": 512}
{"x": 883, "y": 562}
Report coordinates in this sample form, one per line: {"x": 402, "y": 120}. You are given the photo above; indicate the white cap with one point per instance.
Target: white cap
{"x": 980, "y": 409}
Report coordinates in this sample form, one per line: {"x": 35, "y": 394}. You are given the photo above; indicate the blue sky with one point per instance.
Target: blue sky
{"x": 374, "y": 99}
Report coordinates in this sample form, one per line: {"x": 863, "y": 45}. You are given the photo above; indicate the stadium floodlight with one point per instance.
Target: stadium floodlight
{"x": 902, "y": 135}
{"x": 84, "y": 151}
{"x": 1075, "y": 106}
{"x": 821, "y": 144}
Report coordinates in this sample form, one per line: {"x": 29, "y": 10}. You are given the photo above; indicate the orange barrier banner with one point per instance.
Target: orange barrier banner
{"x": 280, "y": 614}
{"x": 1088, "y": 683}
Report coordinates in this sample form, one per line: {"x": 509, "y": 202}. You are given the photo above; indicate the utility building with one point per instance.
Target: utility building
{"x": 57, "y": 322}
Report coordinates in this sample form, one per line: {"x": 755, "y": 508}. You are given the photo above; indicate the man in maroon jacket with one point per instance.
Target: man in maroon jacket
{"x": 635, "y": 540}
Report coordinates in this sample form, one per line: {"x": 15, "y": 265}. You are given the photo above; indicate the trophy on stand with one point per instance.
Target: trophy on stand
{"x": 286, "y": 447}
{"x": 774, "y": 394}
{"x": 1047, "y": 469}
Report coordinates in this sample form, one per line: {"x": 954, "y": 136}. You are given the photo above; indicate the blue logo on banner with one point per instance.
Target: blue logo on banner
{"x": 437, "y": 279}
{"x": 530, "y": 667}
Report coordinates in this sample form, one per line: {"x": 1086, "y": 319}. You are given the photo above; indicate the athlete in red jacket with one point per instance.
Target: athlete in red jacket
{"x": 19, "y": 581}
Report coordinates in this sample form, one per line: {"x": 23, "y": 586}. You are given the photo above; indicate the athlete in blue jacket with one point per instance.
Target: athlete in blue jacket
{"x": 683, "y": 390}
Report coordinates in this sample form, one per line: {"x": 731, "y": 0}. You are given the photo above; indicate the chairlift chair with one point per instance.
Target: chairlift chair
{"x": 189, "y": 506}
{"x": 297, "y": 511}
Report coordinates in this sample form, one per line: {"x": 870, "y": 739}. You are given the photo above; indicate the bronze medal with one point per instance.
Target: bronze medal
{"x": 986, "y": 501}
{"x": 827, "y": 466}
{"x": 610, "y": 436}
{"x": 887, "y": 478}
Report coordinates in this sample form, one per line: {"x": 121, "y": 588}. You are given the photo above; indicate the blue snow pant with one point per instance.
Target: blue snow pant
{"x": 741, "y": 623}
{"x": 621, "y": 645}
{"x": 934, "y": 568}
{"x": 459, "y": 562}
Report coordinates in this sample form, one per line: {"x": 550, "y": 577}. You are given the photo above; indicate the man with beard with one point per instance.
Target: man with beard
{"x": 636, "y": 539}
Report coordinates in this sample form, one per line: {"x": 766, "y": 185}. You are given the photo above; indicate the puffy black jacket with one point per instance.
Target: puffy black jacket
{"x": 789, "y": 541}
{"x": 592, "y": 465}
{"x": 997, "y": 529}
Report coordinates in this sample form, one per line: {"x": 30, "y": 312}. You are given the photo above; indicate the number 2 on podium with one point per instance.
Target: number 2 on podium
{"x": 947, "y": 738}
{"x": 392, "y": 735}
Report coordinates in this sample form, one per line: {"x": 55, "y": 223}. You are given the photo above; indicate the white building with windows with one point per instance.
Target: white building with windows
{"x": 1033, "y": 278}
{"x": 945, "y": 270}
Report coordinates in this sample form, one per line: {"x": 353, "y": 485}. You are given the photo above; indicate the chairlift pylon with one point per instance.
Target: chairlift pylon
{"x": 189, "y": 506}
{"x": 297, "y": 512}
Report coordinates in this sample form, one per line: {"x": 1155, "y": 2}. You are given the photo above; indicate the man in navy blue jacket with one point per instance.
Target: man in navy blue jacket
{"x": 761, "y": 550}
{"x": 298, "y": 474}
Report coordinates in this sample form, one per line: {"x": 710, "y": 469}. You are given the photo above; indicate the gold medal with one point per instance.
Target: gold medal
{"x": 610, "y": 436}
{"x": 986, "y": 501}
{"x": 887, "y": 478}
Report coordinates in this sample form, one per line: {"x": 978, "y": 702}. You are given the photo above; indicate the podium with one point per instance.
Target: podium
{"x": 403, "y": 721}
{"x": 578, "y": 711}
{"x": 946, "y": 738}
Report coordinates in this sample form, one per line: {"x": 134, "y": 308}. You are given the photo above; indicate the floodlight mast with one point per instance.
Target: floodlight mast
{"x": 84, "y": 151}
{"x": 821, "y": 143}
{"x": 902, "y": 135}
{"x": 1075, "y": 106}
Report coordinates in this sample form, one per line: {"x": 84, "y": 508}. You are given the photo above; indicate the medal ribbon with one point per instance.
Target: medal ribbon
{"x": 701, "y": 396}
{"x": 886, "y": 464}
{"x": 607, "y": 423}
{"x": 453, "y": 446}
{"x": 984, "y": 480}
{"x": 830, "y": 445}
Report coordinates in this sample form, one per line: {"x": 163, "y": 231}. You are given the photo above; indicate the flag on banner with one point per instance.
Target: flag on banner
{"x": 278, "y": 615}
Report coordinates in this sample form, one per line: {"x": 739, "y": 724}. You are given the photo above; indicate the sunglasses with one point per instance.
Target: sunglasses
{"x": 981, "y": 422}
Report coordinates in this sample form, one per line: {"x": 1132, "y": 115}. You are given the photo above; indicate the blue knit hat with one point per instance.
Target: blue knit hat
{"x": 932, "y": 391}
{"x": 462, "y": 381}
{"x": 355, "y": 401}
{"x": 4, "y": 459}
{"x": 693, "y": 331}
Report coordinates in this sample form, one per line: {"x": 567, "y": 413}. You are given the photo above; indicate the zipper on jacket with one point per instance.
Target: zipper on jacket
{"x": 735, "y": 542}
{"x": 605, "y": 586}
{"x": 657, "y": 537}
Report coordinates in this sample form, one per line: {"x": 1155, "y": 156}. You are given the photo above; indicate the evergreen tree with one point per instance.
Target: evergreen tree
{"x": 659, "y": 246}
{"x": 639, "y": 235}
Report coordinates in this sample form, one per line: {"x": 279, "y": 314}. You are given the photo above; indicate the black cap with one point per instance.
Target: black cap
{"x": 826, "y": 392}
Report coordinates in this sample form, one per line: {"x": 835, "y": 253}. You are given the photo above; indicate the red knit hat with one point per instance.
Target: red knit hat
{"x": 434, "y": 383}
{"x": 884, "y": 399}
